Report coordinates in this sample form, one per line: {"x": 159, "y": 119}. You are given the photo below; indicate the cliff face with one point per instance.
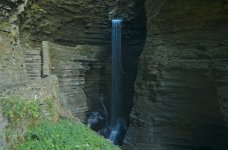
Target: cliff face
{"x": 67, "y": 22}
{"x": 84, "y": 22}
{"x": 80, "y": 22}
{"x": 12, "y": 67}
{"x": 180, "y": 97}
{"x": 79, "y": 71}
{"x": 12, "y": 63}
{"x": 88, "y": 22}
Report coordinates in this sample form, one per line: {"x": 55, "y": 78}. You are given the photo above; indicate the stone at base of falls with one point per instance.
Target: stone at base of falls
{"x": 117, "y": 133}
{"x": 96, "y": 121}
{"x": 113, "y": 135}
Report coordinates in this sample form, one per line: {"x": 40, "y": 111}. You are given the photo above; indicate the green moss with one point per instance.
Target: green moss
{"x": 5, "y": 26}
{"x": 64, "y": 135}
{"x": 35, "y": 12}
{"x": 38, "y": 8}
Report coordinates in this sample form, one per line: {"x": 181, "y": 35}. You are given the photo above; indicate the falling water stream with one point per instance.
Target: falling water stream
{"x": 116, "y": 80}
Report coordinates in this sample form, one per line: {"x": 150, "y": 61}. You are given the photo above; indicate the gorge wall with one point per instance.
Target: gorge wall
{"x": 180, "y": 94}
{"x": 180, "y": 100}
{"x": 12, "y": 67}
{"x": 88, "y": 22}
{"x": 12, "y": 63}
{"x": 80, "y": 74}
{"x": 67, "y": 22}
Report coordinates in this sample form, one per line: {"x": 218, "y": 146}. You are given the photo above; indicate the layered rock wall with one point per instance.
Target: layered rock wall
{"x": 33, "y": 63}
{"x": 12, "y": 64}
{"x": 180, "y": 101}
{"x": 79, "y": 73}
{"x": 67, "y": 22}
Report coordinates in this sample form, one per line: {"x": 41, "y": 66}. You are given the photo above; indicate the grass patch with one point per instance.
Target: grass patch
{"x": 64, "y": 135}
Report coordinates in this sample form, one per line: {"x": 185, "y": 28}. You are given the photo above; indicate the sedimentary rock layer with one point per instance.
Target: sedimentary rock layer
{"x": 80, "y": 77}
{"x": 182, "y": 77}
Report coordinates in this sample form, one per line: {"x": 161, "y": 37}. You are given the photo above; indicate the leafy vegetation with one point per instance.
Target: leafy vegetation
{"x": 24, "y": 114}
{"x": 64, "y": 135}
{"x": 31, "y": 127}
{"x": 16, "y": 110}
{"x": 4, "y": 25}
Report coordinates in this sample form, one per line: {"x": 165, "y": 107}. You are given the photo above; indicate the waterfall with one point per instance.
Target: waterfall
{"x": 116, "y": 79}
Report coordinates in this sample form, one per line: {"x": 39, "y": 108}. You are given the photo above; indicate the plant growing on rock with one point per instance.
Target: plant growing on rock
{"x": 20, "y": 114}
{"x": 17, "y": 110}
{"x": 24, "y": 114}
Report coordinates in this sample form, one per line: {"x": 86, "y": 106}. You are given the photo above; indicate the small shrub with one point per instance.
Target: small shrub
{"x": 24, "y": 114}
{"x": 17, "y": 110}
